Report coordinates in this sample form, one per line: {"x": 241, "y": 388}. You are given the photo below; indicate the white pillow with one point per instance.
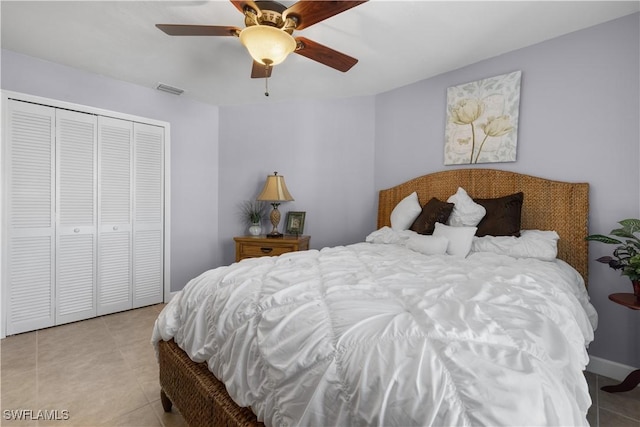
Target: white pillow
{"x": 405, "y": 212}
{"x": 537, "y": 244}
{"x": 427, "y": 244}
{"x": 460, "y": 238}
{"x": 387, "y": 235}
{"x": 466, "y": 212}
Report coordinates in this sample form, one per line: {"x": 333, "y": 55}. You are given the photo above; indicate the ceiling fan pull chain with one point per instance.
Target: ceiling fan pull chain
{"x": 266, "y": 80}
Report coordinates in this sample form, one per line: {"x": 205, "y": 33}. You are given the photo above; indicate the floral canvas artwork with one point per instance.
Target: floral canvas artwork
{"x": 482, "y": 120}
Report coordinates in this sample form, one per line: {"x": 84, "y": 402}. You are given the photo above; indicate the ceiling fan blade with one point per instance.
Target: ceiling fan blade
{"x": 241, "y": 4}
{"x": 311, "y": 12}
{"x": 324, "y": 55}
{"x": 198, "y": 30}
{"x": 259, "y": 71}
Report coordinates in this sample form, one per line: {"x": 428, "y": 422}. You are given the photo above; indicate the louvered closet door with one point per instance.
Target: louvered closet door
{"x": 148, "y": 239}
{"x": 76, "y": 137}
{"x": 29, "y": 180}
{"x": 114, "y": 215}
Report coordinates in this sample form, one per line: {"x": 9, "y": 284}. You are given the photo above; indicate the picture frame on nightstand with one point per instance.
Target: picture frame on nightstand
{"x": 295, "y": 223}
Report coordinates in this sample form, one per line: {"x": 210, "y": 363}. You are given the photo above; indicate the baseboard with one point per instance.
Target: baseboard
{"x": 170, "y": 296}
{"x": 608, "y": 368}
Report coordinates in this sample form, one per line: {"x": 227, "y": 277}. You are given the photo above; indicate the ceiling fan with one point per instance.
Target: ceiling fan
{"x": 268, "y": 32}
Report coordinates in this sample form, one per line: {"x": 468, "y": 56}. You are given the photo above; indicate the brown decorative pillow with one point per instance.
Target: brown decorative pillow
{"x": 433, "y": 211}
{"x": 503, "y": 216}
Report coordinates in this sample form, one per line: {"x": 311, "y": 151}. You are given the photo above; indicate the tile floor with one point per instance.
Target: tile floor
{"x": 612, "y": 409}
{"x": 103, "y": 371}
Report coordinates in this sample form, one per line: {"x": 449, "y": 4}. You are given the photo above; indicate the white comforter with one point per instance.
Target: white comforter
{"x": 376, "y": 334}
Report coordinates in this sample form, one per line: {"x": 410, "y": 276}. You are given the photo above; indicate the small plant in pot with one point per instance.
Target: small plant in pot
{"x": 626, "y": 254}
{"x": 251, "y": 212}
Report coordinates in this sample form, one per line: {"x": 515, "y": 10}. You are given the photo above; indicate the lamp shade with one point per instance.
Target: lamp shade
{"x": 275, "y": 190}
{"x": 267, "y": 45}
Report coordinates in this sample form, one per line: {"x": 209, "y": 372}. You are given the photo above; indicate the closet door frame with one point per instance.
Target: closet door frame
{"x": 7, "y": 95}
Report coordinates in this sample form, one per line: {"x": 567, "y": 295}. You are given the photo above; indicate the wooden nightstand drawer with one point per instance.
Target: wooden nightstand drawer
{"x": 248, "y": 250}
{"x": 258, "y": 246}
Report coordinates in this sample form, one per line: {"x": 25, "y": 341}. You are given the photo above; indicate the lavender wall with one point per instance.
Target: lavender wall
{"x": 194, "y": 148}
{"x": 579, "y": 121}
{"x": 323, "y": 149}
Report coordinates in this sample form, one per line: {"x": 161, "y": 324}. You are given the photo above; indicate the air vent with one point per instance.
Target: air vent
{"x": 169, "y": 89}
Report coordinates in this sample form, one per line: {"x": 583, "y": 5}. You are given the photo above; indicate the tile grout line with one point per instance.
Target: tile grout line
{"x": 615, "y": 411}
{"x": 106, "y": 327}
{"x": 158, "y": 417}
{"x": 132, "y": 372}
{"x": 597, "y": 399}
{"x": 37, "y": 374}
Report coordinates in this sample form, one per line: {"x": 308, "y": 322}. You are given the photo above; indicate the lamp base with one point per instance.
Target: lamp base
{"x": 275, "y": 219}
{"x": 275, "y": 235}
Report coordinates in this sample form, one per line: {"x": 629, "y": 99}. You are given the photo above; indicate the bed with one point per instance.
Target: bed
{"x": 396, "y": 353}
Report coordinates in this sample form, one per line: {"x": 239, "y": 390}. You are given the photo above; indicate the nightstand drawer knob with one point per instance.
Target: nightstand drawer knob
{"x": 266, "y": 250}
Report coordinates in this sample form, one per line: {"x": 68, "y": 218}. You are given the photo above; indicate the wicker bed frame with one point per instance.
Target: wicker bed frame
{"x": 548, "y": 205}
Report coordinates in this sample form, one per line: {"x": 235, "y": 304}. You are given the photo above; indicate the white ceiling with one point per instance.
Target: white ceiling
{"x": 396, "y": 42}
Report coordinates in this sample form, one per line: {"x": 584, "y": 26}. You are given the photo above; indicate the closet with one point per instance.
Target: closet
{"x": 84, "y": 203}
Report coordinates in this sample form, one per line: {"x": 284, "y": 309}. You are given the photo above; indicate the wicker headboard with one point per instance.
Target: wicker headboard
{"x": 548, "y": 205}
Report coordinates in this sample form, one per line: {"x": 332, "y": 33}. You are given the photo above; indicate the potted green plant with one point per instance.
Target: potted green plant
{"x": 252, "y": 212}
{"x": 626, "y": 254}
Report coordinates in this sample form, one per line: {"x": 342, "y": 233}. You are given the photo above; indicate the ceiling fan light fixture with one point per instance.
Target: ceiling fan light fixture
{"x": 267, "y": 45}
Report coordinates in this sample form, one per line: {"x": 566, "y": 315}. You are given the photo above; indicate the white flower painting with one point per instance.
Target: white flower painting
{"x": 482, "y": 121}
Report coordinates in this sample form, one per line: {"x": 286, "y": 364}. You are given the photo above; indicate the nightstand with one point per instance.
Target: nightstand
{"x": 633, "y": 379}
{"x": 257, "y": 246}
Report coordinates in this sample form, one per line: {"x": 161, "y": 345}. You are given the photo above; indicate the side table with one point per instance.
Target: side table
{"x": 259, "y": 246}
{"x": 633, "y": 379}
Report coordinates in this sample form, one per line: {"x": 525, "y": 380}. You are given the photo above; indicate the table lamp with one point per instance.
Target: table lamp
{"x": 275, "y": 191}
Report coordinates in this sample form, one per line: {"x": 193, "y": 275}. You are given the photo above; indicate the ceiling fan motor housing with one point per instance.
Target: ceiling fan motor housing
{"x": 270, "y": 14}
